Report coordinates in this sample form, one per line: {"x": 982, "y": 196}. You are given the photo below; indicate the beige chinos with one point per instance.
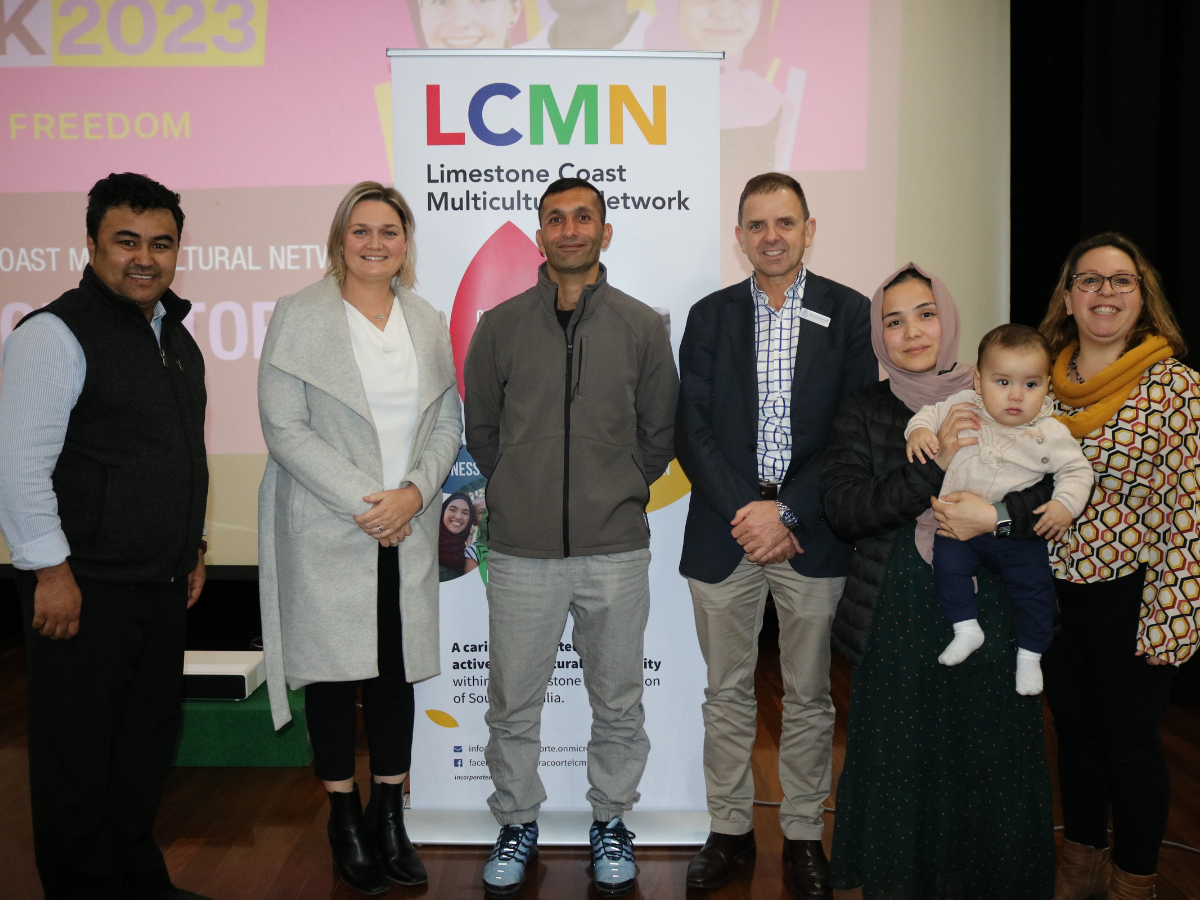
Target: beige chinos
{"x": 729, "y": 616}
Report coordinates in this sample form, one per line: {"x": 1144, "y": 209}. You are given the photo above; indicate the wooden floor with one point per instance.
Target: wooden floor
{"x": 259, "y": 834}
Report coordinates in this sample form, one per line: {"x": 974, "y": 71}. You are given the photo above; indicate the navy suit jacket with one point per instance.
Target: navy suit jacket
{"x": 716, "y": 425}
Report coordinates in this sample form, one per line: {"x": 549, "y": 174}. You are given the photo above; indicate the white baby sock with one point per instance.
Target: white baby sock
{"x": 1029, "y": 673}
{"x": 968, "y": 637}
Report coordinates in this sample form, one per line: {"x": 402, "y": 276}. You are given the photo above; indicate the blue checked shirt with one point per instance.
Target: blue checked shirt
{"x": 776, "y": 334}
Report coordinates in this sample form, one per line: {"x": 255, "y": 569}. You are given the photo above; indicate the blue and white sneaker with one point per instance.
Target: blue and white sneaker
{"x": 613, "y": 870}
{"x": 515, "y": 848}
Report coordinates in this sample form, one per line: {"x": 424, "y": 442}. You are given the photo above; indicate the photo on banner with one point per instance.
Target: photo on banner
{"x": 462, "y": 536}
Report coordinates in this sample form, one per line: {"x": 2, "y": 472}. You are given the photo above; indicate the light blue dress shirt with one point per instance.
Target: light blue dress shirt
{"x": 43, "y": 372}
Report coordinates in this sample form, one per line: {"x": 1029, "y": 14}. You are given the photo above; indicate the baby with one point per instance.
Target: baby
{"x": 1018, "y": 443}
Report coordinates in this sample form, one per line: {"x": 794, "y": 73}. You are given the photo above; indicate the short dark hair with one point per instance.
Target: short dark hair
{"x": 137, "y": 192}
{"x": 909, "y": 275}
{"x": 769, "y": 183}
{"x": 1014, "y": 337}
{"x": 569, "y": 184}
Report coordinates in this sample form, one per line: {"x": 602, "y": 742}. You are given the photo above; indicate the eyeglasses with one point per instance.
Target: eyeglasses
{"x": 1091, "y": 282}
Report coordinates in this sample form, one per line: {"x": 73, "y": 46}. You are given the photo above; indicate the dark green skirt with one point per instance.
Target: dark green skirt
{"x": 945, "y": 793}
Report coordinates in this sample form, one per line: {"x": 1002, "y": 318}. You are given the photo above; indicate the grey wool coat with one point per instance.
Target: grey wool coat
{"x": 317, "y": 570}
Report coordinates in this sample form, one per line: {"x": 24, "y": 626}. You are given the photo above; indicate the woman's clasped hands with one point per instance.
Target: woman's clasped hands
{"x": 388, "y": 519}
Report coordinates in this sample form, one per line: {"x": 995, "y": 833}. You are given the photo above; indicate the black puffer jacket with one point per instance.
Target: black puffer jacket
{"x": 870, "y": 490}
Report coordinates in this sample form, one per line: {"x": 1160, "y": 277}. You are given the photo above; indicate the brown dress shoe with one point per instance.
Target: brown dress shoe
{"x": 1130, "y": 887}
{"x": 713, "y": 865}
{"x": 806, "y": 870}
{"x": 1082, "y": 872}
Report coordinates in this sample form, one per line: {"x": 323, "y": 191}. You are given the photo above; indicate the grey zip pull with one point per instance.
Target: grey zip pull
{"x": 163, "y": 353}
{"x": 179, "y": 362}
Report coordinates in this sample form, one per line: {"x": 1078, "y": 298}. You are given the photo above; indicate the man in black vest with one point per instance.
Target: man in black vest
{"x": 763, "y": 367}
{"x": 103, "y": 487}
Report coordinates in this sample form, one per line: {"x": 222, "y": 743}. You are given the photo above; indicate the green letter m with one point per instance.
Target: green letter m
{"x": 587, "y": 98}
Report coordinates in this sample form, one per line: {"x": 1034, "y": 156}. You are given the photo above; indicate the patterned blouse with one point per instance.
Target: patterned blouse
{"x": 1144, "y": 508}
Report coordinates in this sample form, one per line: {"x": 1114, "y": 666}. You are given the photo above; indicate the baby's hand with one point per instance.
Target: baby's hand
{"x": 921, "y": 443}
{"x": 1055, "y": 520}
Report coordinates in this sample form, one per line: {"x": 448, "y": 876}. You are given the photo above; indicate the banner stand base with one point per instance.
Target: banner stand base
{"x": 555, "y": 829}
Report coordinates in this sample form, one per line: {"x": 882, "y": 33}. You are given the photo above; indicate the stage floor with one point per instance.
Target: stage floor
{"x": 259, "y": 834}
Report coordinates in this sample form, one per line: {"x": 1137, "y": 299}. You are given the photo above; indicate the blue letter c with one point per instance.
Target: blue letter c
{"x": 475, "y": 114}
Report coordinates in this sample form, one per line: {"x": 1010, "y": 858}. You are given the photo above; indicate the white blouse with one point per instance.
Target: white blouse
{"x": 387, "y": 362}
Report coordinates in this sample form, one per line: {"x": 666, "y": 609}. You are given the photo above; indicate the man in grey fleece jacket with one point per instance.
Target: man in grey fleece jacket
{"x": 570, "y": 408}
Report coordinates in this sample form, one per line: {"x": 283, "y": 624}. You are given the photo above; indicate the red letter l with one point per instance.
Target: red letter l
{"x": 433, "y": 119}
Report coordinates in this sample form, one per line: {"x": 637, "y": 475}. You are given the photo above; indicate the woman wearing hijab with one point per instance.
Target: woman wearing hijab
{"x": 945, "y": 790}
{"x": 456, "y": 556}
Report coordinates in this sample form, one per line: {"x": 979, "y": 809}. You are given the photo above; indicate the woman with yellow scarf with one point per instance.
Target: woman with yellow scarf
{"x": 1128, "y": 572}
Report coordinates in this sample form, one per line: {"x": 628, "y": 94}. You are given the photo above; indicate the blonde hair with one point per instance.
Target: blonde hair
{"x": 1156, "y": 318}
{"x": 371, "y": 190}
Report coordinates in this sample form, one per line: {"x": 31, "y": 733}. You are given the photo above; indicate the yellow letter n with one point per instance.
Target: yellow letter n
{"x": 620, "y": 98}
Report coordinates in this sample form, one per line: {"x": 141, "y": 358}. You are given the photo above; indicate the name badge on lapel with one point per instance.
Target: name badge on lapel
{"x": 806, "y": 313}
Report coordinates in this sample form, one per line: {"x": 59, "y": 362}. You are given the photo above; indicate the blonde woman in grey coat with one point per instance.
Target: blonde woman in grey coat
{"x": 360, "y": 412}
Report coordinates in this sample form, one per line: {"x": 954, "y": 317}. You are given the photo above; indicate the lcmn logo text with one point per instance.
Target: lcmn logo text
{"x": 544, "y": 107}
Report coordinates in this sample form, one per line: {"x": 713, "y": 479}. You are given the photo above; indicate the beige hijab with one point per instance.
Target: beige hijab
{"x": 949, "y": 376}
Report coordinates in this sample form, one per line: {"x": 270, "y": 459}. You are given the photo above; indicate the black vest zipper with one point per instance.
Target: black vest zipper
{"x": 184, "y": 421}
{"x": 179, "y": 392}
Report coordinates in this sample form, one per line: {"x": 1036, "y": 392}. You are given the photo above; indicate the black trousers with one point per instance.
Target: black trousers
{"x": 1023, "y": 566}
{"x": 1108, "y": 706}
{"x": 104, "y": 711}
{"x": 387, "y": 699}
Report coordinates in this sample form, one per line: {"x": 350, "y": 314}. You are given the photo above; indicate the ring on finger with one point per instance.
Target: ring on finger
{"x": 379, "y": 529}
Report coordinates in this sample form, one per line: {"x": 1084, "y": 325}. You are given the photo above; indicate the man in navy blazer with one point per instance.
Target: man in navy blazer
{"x": 763, "y": 367}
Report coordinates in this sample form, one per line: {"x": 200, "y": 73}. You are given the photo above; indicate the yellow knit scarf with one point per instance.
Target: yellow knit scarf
{"x": 1099, "y": 398}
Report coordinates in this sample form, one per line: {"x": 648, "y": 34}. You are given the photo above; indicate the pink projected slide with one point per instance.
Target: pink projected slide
{"x": 795, "y": 71}
{"x": 262, "y": 112}
{"x": 284, "y": 96}
{"x": 303, "y": 115}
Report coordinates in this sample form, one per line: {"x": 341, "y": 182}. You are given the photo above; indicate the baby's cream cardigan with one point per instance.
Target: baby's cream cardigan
{"x": 1012, "y": 457}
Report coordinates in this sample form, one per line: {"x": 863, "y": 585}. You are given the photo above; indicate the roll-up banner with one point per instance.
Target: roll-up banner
{"x": 477, "y": 138}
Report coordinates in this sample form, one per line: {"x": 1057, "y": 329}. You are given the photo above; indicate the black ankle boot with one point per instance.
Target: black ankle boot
{"x": 354, "y": 853}
{"x": 385, "y": 821}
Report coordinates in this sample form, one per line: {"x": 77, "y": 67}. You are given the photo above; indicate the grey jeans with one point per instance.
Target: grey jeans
{"x": 608, "y": 597}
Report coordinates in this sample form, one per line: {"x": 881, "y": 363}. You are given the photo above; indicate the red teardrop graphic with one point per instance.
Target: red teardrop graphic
{"x": 506, "y": 265}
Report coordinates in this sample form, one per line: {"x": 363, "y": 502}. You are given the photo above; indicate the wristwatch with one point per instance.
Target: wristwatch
{"x": 786, "y": 516}
{"x": 1003, "y": 521}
